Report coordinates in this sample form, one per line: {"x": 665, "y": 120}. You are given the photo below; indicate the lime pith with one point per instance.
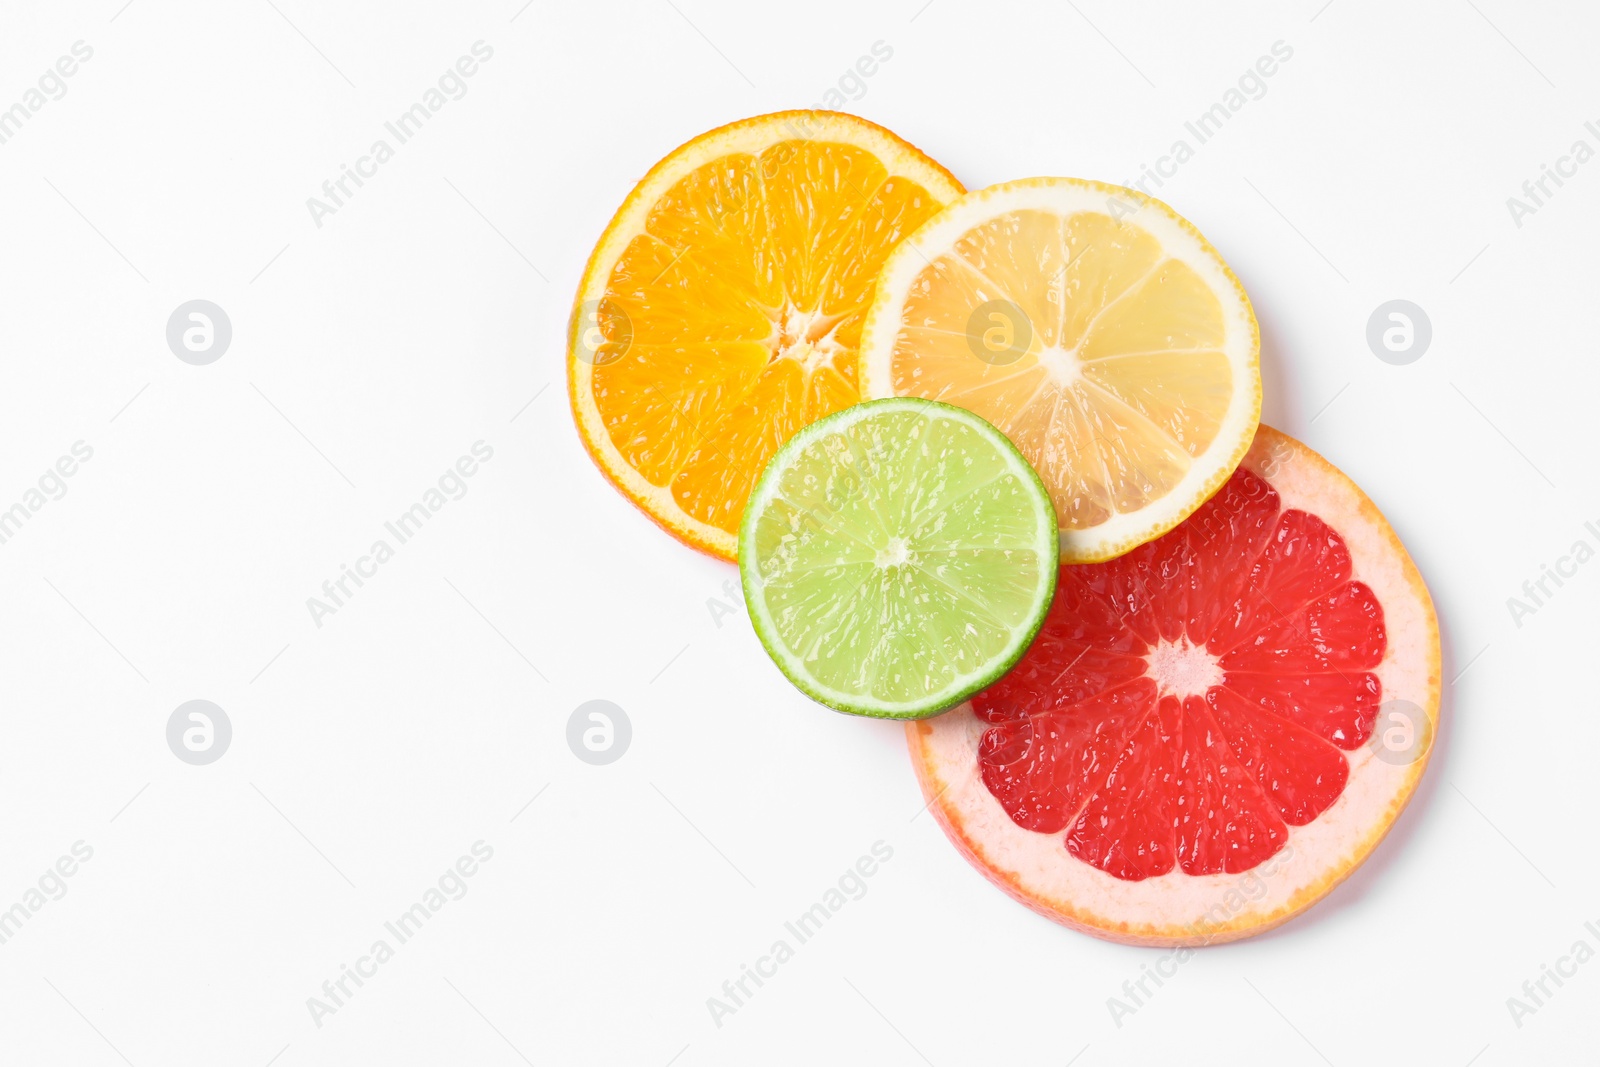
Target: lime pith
{"x": 897, "y": 557}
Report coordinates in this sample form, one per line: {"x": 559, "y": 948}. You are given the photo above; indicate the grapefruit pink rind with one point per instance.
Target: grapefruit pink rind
{"x": 1177, "y": 909}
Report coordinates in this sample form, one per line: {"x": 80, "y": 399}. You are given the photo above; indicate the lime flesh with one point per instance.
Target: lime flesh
{"x": 897, "y": 557}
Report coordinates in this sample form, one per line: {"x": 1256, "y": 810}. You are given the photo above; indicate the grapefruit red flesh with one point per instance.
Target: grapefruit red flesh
{"x": 1186, "y": 754}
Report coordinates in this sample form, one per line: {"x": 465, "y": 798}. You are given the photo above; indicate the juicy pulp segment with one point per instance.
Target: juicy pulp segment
{"x": 1125, "y": 380}
{"x": 899, "y": 555}
{"x": 1146, "y": 767}
{"x": 733, "y": 319}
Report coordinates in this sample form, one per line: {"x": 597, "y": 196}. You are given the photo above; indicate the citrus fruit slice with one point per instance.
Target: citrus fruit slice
{"x": 1211, "y": 732}
{"x": 1097, "y": 329}
{"x": 722, "y": 308}
{"x": 897, "y": 557}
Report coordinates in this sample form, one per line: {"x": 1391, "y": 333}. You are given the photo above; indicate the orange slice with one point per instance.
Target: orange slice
{"x": 722, "y": 309}
{"x": 1094, "y": 327}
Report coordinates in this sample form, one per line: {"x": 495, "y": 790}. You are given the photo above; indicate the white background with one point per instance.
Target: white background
{"x": 428, "y": 313}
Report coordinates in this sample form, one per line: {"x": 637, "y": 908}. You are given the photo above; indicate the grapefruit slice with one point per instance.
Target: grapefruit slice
{"x": 1097, "y": 329}
{"x": 722, "y": 308}
{"x": 1211, "y": 732}
{"x": 897, "y": 557}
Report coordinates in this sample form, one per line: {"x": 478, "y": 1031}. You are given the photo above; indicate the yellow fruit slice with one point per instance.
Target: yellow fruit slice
{"x": 1097, "y": 329}
{"x": 722, "y": 309}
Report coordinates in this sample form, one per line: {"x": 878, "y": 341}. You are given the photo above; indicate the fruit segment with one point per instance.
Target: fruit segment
{"x": 1211, "y": 731}
{"x": 729, "y": 296}
{"x": 776, "y": 249}
{"x": 1187, "y": 703}
{"x": 1111, "y": 344}
{"x": 1118, "y": 381}
{"x": 897, "y": 557}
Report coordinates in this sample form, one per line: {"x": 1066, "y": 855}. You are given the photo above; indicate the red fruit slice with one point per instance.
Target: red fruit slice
{"x": 1192, "y": 751}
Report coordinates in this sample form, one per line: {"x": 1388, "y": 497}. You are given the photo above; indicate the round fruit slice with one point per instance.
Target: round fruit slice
{"x": 1093, "y": 326}
{"x": 722, "y": 309}
{"x": 897, "y": 557}
{"x": 1211, "y": 732}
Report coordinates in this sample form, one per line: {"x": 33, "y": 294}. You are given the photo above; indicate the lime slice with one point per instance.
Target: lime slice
{"x": 897, "y": 557}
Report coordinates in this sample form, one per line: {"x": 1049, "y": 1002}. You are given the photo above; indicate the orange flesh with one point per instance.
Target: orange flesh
{"x": 734, "y": 318}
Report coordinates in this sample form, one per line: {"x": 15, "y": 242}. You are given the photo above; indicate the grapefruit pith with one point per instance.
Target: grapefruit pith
{"x": 1210, "y": 732}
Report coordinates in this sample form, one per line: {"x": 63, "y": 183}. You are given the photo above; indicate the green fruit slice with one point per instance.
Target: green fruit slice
{"x": 897, "y": 557}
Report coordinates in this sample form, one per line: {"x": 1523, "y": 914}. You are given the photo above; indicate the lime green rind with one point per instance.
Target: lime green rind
{"x": 887, "y": 505}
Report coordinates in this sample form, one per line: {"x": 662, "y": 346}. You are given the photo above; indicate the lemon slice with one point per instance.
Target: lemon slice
{"x": 1097, "y": 329}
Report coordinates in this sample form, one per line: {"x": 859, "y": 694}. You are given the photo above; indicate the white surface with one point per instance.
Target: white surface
{"x": 406, "y": 728}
